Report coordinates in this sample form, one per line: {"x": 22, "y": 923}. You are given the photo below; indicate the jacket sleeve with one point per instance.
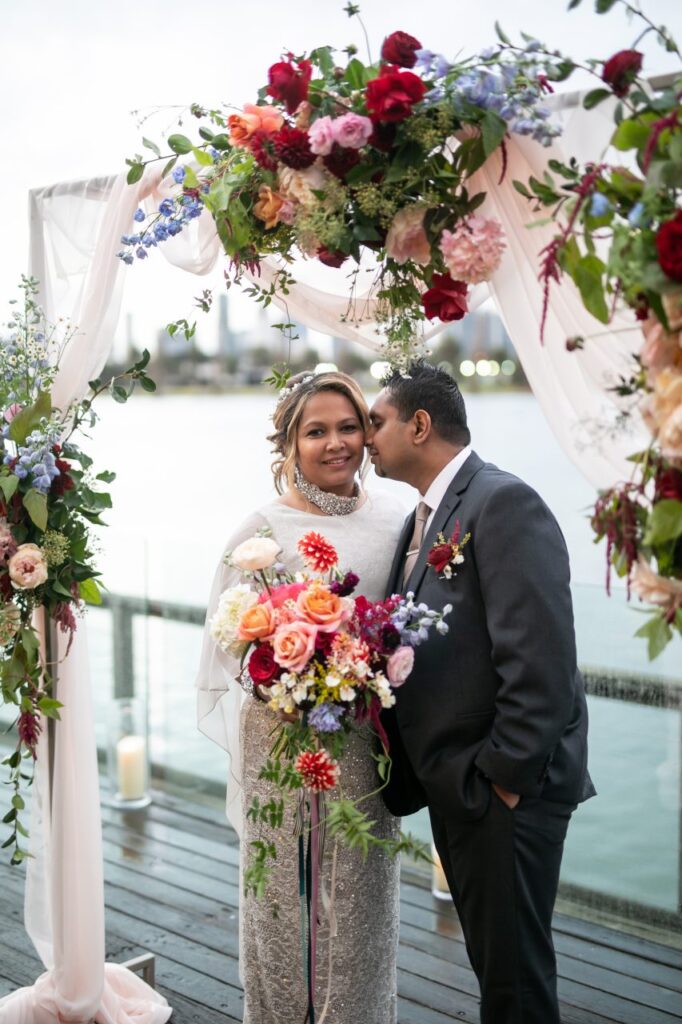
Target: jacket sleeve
{"x": 522, "y": 563}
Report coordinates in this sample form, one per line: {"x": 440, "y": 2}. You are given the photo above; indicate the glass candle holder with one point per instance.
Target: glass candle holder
{"x": 439, "y": 883}
{"x": 127, "y": 755}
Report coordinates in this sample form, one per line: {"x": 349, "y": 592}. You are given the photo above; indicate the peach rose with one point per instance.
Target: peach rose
{"x": 660, "y": 348}
{"x": 406, "y": 239}
{"x": 268, "y": 206}
{"x": 662, "y": 411}
{"x": 654, "y": 589}
{"x": 257, "y": 622}
{"x": 327, "y": 611}
{"x": 255, "y": 553}
{"x": 298, "y": 186}
{"x": 27, "y": 567}
{"x": 254, "y": 119}
{"x": 294, "y": 644}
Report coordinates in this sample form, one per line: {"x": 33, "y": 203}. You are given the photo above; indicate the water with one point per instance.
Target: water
{"x": 191, "y": 467}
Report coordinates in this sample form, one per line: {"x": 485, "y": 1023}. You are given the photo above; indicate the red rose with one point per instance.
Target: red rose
{"x": 331, "y": 258}
{"x": 401, "y": 49}
{"x": 383, "y": 136}
{"x": 263, "y": 668}
{"x": 669, "y": 245}
{"x": 445, "y": 299}
{"x": 439, "y": 556}
{"x": 63, "y": 482}
{"x": 391, "y": 96}
{"x": 669, "y": 485}
{"x": 289, "y": 82}
{"x": 621, "y": 69}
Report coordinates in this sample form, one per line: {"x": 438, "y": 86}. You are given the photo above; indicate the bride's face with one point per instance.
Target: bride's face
{"x": 330, "y": 442}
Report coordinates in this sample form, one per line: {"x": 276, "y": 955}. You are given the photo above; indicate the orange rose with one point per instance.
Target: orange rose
{"x": 294, "y": 645}
{"x": 254, "y": 119}
{"x": 326, "y": 610}
{"x": 268, "y": 206}
{"x": 257, "y": 622}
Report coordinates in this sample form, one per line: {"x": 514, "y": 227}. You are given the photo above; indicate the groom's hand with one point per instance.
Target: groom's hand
{"x": 510, "y": 799}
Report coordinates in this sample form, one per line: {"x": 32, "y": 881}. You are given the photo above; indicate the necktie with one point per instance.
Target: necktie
{"x": 421, "y": 515}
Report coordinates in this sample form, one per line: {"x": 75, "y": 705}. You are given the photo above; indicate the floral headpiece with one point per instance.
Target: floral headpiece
{"x": 286, "y": 391}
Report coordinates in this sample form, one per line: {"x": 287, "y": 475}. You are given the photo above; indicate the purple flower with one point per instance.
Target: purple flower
{"x": 346, "y": 586}
{"x": 325, "y": 717}
{"x": 141, "y": 253}
{"x": 178, "y": 175}
{"x": 167, "y": 207}
{"x": 139, "y": 215}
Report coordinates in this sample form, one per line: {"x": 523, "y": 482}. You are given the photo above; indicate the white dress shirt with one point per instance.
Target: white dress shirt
{"x": 440, "y": 484}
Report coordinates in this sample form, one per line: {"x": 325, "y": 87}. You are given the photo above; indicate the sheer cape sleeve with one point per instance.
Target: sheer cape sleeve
{"x": 219, "y": 695}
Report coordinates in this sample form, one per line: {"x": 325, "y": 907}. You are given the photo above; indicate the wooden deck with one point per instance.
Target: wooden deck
{"x": 172, "y": 888}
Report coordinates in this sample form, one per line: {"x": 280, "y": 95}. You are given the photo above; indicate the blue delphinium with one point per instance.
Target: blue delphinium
{"x": 326, "y": 717}
{"x": 173, "y": 215}
{"x": 178, "y": 175}
{"x": 139, "y": 215}
{"x": 35, "y": 459}
{"x": 599, "y": 205}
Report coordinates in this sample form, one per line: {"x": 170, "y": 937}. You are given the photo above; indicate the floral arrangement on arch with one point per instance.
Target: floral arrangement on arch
{"x": 338, "y": 157}
{"x": 50, "y": 498}
{"x": 327, "y": 661}
{"x": 619, "y": 238}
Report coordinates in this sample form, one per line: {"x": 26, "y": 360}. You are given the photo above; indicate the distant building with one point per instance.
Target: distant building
{"x": 227, "y": 339}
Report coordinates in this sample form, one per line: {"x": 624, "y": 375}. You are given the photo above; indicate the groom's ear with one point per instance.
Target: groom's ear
{"x": 421, "y": 425}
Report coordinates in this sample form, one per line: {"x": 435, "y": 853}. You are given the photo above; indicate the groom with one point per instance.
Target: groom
{"x": 490, "y": 731}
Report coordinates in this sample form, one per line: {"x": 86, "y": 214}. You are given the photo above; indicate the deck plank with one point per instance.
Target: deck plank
{"x": 172, "y": 888}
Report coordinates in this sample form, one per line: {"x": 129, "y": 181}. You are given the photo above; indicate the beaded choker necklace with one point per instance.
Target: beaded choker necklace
{"x": 330, "y": 504}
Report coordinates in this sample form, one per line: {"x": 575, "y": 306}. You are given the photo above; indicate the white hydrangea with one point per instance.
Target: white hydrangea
{"x": 232, "y": 604}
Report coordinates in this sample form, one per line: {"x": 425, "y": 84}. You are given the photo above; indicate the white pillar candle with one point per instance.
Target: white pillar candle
{"x": 131, "y": 767}
{"x": 439, "y": 883}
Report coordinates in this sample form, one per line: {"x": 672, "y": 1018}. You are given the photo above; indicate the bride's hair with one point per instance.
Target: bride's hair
{"x": 287, "y": 416}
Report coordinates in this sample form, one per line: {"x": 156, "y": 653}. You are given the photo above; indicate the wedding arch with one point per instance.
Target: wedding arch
{"x": 75, "y": 229}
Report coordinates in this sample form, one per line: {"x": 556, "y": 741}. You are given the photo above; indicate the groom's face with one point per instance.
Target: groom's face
{"x": 388, "y": 440}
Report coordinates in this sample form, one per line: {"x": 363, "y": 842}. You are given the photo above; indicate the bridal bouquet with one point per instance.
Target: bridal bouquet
{"x": 335, "y": 157}
{"x": 49, "y": 499}
{"x": 327, "y": 660}
{"x": 619, "y": 238}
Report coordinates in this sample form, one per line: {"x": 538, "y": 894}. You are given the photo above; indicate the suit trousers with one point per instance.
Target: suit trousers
{"x": 503, "y": 872}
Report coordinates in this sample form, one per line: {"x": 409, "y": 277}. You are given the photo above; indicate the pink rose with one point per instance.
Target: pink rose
{"x": 400, "y": 665}
{"x": 294, "y": 645}
{"x": 27, "y": 567}
{"x": 406, "y": 239}
{"x": 351, "y": 131}
{"x": 321, "y": 136}
{"x": 663, "y": 591}
{"x": 11, "y": 411}
{"x": 327, "y": 611}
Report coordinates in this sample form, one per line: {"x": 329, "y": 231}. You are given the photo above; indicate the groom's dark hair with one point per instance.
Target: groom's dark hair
{"x": 428, "y": 387}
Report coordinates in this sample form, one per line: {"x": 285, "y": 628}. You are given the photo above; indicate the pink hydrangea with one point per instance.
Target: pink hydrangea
{"x": 352, "y": 131}
{"x": 321, "y": 136}
{"x": 473, "y": 251}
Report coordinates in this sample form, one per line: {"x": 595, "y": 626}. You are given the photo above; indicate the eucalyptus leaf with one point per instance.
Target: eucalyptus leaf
{"x": 135, "y": 173}
{"x": 665, "y": 522}
{"x": 90, "y": 592}
{"x": 180, "y": 144}
{"x": 151, "y": 145}
{"x": 588, "y": 277}
{"x": 657, "y": 633}
{"x": 595, "y": 97}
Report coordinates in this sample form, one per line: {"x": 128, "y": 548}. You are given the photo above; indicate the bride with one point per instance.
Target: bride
{"x": 320, "y": 424}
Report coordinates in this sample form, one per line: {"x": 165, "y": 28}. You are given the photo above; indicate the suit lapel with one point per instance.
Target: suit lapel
{"x": 445, "y": 510}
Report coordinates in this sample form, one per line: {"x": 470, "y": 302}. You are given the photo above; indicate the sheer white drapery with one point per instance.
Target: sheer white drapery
{"x": 72, "y": 228}
{"x": 75, "y": 232}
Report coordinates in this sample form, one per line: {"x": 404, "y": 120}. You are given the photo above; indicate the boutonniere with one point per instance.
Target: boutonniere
{"x": 446, "y": 554}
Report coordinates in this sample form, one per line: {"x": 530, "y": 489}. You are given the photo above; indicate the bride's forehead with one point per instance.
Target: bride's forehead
{"x": 328, "y": 405}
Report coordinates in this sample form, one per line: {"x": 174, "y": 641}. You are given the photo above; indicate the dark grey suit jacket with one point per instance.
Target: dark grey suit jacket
{"x": 499, "y": 698}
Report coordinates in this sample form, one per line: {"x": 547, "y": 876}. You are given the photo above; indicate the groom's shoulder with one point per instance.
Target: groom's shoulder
{"x": 490, "y": 479}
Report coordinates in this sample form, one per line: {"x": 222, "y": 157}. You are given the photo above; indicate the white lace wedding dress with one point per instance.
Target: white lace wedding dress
{"x": 366, "y": 893}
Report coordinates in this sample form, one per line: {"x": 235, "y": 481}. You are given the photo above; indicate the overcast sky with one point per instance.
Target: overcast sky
{"x": 71, "y": 72}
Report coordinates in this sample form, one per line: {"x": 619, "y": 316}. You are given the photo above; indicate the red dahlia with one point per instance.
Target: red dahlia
{"x": 331, "y": 258}
{"x": 317, "y": 552}
{"x": 263, "y": 149}
{"x": 318, "y": 770}
{"x": 292, "y": 146}
{"x": 400, "y": 48}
